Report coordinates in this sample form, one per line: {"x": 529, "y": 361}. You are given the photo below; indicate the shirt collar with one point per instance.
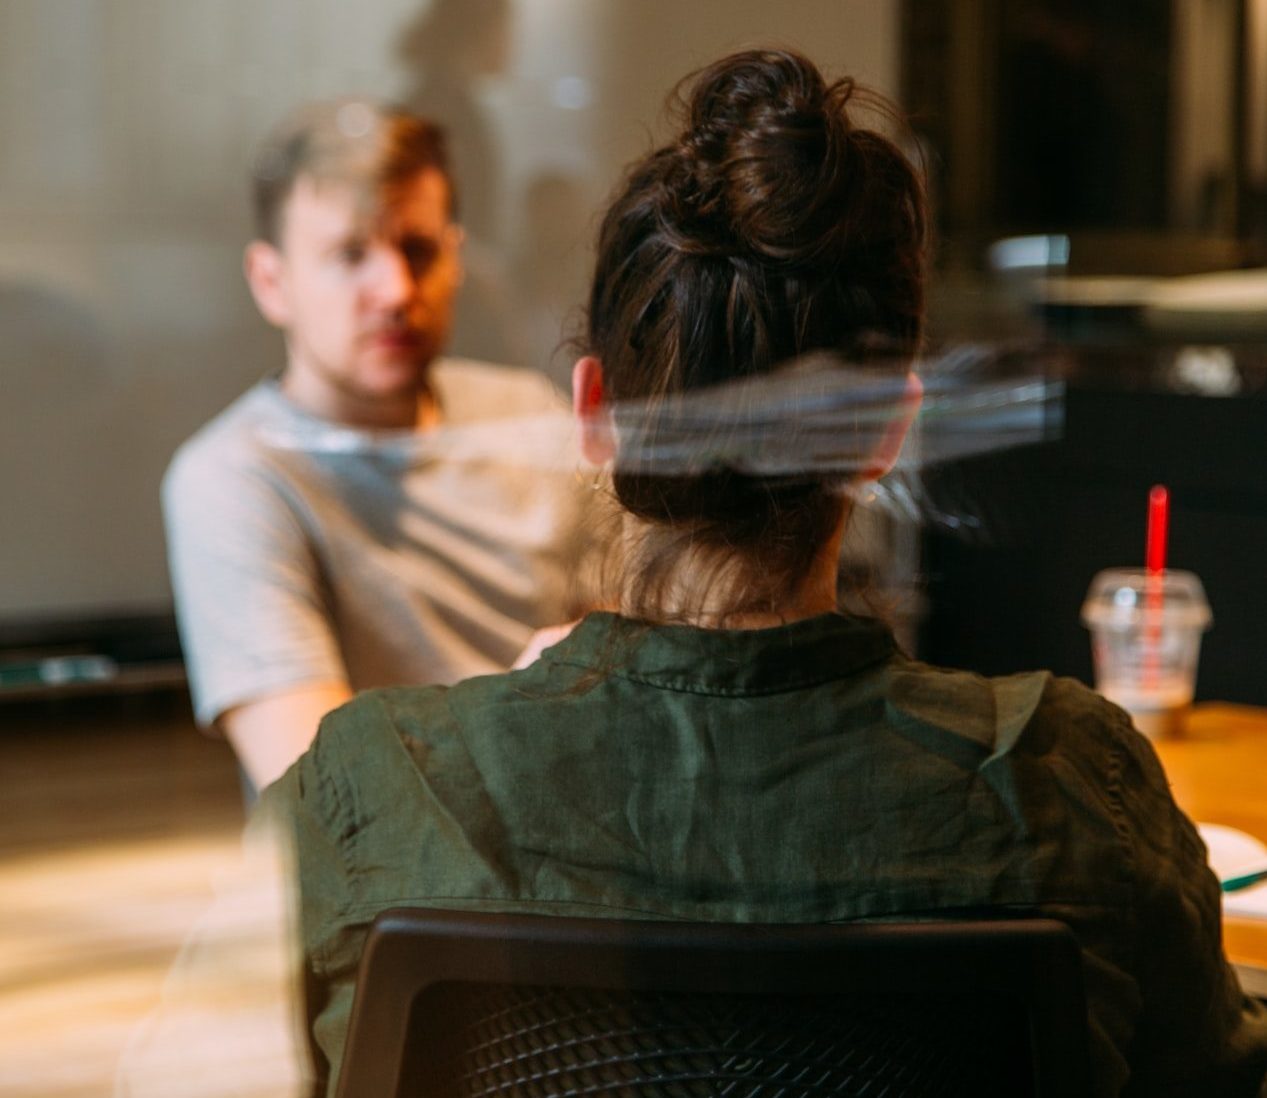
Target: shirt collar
{"x": 726, "y": 661}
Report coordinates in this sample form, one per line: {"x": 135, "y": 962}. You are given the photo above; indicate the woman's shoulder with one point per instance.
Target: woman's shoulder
{"x": 386, "y": 712}
{"x": 1047, "y": 711}
{"x": 375, "y": 723}
{"x": 370, "y": 753}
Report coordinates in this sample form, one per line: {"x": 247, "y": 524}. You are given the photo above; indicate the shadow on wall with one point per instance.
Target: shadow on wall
{"x": 523, "y": 282}
{"x": 450, "y": 48}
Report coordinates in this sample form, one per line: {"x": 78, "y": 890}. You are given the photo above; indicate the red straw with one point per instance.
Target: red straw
{"x": 1158, "y": 527}
{"x": 1155, "y": 565}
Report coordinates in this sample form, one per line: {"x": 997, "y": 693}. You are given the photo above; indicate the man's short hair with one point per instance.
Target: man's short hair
{"x": 370, "y": 146}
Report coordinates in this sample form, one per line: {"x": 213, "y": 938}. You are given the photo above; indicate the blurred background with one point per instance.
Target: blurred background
{"x": 128, "y": 128}
{"x": 1099, "y": 177}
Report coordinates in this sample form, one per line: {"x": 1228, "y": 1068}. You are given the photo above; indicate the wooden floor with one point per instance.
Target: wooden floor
{"x": 120, "y": 834}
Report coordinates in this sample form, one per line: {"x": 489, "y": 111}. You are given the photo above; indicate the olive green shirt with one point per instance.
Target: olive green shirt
{"x": 806, "y": 773}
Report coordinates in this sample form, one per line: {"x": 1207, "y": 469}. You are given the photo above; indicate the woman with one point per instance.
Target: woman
{"x": 728, "y": 746}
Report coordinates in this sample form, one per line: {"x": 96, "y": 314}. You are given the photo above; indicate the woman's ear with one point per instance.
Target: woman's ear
{"x": 593, "y": 416}
{"x": 894, "y": 435}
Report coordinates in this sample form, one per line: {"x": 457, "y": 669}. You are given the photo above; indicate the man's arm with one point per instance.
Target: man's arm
{"x": 264, "y": 663}
{"x": 540, "y": 641}
{"x": 270, "y": 733}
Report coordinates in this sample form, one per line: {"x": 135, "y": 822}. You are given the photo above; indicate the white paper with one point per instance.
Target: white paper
{"x": 1233, "y": 854}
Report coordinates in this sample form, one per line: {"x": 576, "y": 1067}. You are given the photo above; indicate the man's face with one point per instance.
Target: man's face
{"x": 364, "y": 294}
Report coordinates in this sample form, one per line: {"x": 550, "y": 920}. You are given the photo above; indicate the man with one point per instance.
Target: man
{"x": 350, "y": 522}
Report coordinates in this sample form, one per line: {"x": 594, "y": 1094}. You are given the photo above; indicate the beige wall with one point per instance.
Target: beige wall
{"x": 125, "y": 129}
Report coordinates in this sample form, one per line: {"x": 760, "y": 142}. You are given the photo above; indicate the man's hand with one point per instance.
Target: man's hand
{"x": 540, "y": 641}
{"x": 271, "y": 733}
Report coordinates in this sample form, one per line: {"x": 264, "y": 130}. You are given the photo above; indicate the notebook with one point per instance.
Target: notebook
{"x": 1236, "y": 854}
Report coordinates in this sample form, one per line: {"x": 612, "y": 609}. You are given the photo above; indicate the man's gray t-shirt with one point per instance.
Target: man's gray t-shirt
{"x": 302, "y": 551}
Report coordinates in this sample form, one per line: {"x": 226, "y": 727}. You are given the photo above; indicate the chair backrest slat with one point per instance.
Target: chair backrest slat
{"x": 471, "y": 1003}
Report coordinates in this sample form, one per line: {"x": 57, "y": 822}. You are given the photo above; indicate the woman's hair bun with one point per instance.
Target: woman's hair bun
{"x": 769, "y": 148}
{"x": 770, "y": 228}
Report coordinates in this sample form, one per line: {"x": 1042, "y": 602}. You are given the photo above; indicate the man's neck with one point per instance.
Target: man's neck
{"x": 417, "y": 409}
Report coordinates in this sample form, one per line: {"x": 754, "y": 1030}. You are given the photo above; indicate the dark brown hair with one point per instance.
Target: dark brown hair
{"x": 371, "y": 146}
{"x": 773, "y": 226}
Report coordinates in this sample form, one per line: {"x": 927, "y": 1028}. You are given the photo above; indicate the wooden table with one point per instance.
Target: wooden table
{"x": 1218, "y": 772}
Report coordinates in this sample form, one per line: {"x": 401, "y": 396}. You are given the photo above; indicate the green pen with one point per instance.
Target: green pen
{"x": 1235, "y": 884}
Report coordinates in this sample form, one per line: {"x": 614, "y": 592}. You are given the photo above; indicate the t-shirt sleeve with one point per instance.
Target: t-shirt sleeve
{"x": 1198, "y": 1033}
{"x": 250, "y": 600}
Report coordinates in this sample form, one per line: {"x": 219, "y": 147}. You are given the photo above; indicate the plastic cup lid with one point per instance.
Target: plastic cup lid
{"x": 1120, "y": 597}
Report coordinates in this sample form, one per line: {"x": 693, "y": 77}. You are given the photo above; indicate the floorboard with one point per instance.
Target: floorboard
{"x": 120, "y": 837}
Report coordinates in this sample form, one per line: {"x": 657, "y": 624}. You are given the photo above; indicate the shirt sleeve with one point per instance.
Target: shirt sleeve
{"x": 1198, "y": 1033}
{"x": 250, "y": 600}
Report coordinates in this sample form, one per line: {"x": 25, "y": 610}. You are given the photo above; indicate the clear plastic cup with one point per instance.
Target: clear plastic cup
{"x": 1145, "y": 639}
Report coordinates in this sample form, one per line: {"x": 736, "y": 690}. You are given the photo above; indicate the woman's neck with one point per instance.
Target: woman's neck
{"x": 708, "y": 591}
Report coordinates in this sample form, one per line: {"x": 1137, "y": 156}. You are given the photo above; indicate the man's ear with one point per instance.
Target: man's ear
{"x": 593, "y": 417}
{"x": 265, "y": 275}
{"x": 890, "y": 446}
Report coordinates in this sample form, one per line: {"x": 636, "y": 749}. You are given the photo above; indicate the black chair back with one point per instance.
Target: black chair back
{"x": 469, "y": 1004}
